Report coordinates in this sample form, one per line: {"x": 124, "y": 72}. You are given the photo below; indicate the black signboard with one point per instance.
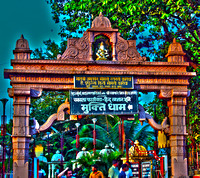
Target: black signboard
{"x": 97, "y": 102}
{"x": 135, "y": 169}
{"x": 103, "y": 82}
{"x": 146, "y": 169}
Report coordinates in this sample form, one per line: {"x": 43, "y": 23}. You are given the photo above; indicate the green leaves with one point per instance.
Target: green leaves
{"x": 133, "y": 17}
{"x": 154, "y": 22}
{"x": 50, "y": 51}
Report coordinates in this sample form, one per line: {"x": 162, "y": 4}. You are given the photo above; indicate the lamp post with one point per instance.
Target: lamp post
{"x": 155, "y": 132}
{"x": 33, "y": 156}
{"x": 48, "y": 148}
{"x": 8, "y": 149}
{"x": 94, "y": 135}
{"x": 120, "y": 135}
{"x": 3, "y": 133}
{"x": 61, "y": 148}
{"x": 77, "y": 137}
{"x": 34, "y": 137}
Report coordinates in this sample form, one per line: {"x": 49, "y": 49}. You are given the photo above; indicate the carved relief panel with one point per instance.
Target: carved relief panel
{"x": 77, "y": 49}
{"x": 85, "y": 48}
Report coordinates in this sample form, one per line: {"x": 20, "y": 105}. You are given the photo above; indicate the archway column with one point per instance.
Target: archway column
{"x": 21, "y": 131}
{"x": 178, "y": 134}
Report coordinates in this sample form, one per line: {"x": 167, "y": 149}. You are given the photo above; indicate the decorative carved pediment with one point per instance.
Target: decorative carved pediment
{"x": 77, "y": 49}
{"x": 82, "y": 49}
{"x": 126, "y": 50}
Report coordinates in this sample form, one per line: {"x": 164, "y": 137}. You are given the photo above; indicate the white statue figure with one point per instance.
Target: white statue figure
{"x": 102, "y": 53}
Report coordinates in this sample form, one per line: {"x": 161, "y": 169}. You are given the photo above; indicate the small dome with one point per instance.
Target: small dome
{"x": 175, "y": 49}
{"x": 22, "y": 43}
{"x": 42, "y": 158}
{"x": 106, "y": 150}
{"x": 83, "y": 153}
{"x": 57, "y": 156}
{"x": 101, "y": 22}
{"x": 134, "y": 152}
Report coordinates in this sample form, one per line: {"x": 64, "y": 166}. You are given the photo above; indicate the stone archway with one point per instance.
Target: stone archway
{"x": 29, "y": 77}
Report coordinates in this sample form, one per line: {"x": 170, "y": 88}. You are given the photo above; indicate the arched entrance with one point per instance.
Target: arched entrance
{"x": 30, "y": 77}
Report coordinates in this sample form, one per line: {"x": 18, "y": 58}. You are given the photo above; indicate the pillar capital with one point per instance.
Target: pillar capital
{"x": 18, "y": 92}
{"x": 32, "y": 92}
{"x": 165, "y": 94}
{"x": 170, "y": 93}
{"x": 179, "y": 93}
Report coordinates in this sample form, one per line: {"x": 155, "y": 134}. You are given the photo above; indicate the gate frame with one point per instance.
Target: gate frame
{"x": 30, "y": 77}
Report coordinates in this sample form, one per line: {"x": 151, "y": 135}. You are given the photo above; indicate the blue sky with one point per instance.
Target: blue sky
{"x": 32, "y": 18}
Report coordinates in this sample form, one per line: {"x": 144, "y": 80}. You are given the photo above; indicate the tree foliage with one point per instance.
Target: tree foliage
{"x": 104, "y": 162}
{"x": 153, "y": 22}
{"x": 193, "y": 110}
{"x": 42, "y": 108}
{"x": 107, "y": 133}
{"x": 157, "y": 109}
{"x": 8, "y": 145}
{"x": 156, "y": 23}
{"x": 50, "y": 51}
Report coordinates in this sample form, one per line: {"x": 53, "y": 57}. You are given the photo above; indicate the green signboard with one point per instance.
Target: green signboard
{"x": 98, "y": 102}
{"x": 103, "y": 82}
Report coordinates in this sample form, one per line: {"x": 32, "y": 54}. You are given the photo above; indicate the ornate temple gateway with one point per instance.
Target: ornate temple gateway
{"x": 101, "y": 52}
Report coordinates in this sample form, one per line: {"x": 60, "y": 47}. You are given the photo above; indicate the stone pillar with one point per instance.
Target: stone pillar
{"x": 20, "y": 132}
{"x": 21, "y": 102}
{"x": 91, "y": 40}
{"x": 113, "y": 40}
{"x": 178, "y": 134}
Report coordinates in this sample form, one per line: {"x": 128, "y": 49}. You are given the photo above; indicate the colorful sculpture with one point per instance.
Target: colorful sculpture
{"x": 102, "y": 53}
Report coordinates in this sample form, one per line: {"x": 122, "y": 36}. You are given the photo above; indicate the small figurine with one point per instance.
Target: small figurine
{"x": 102, "y": 53}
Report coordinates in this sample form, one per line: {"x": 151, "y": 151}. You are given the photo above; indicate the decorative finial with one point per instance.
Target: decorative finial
{"x": 22, "y": 50}
{"x": 175, "y": 49}
{"x": 101, "y": 22}
{"x": 22, "y": 36}
{"x": 136, "y": 142}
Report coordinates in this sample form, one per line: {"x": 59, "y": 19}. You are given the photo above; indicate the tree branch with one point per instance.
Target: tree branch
{"x": 191, "y": 31}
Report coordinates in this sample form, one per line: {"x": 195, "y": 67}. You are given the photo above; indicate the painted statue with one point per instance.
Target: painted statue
{"x": 102, "y": 53}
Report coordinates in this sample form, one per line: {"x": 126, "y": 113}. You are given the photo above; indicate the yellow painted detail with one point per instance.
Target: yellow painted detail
{"x": 38, "y": 150}
{"x": 162, "y": 140}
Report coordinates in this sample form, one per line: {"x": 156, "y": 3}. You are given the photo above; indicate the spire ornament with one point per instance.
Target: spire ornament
{"x": 101, "y": 22}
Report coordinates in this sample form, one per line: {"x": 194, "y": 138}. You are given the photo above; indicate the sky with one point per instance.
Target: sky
{"x": 33, "y": 19}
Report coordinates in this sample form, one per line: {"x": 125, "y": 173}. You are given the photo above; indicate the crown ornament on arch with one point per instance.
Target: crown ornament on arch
{"x": 101, "y": 22}
{"x": 81, "y": 49}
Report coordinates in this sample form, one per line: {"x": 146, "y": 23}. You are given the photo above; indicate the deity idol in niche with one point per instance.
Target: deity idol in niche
{"x": 102, "y": 53}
